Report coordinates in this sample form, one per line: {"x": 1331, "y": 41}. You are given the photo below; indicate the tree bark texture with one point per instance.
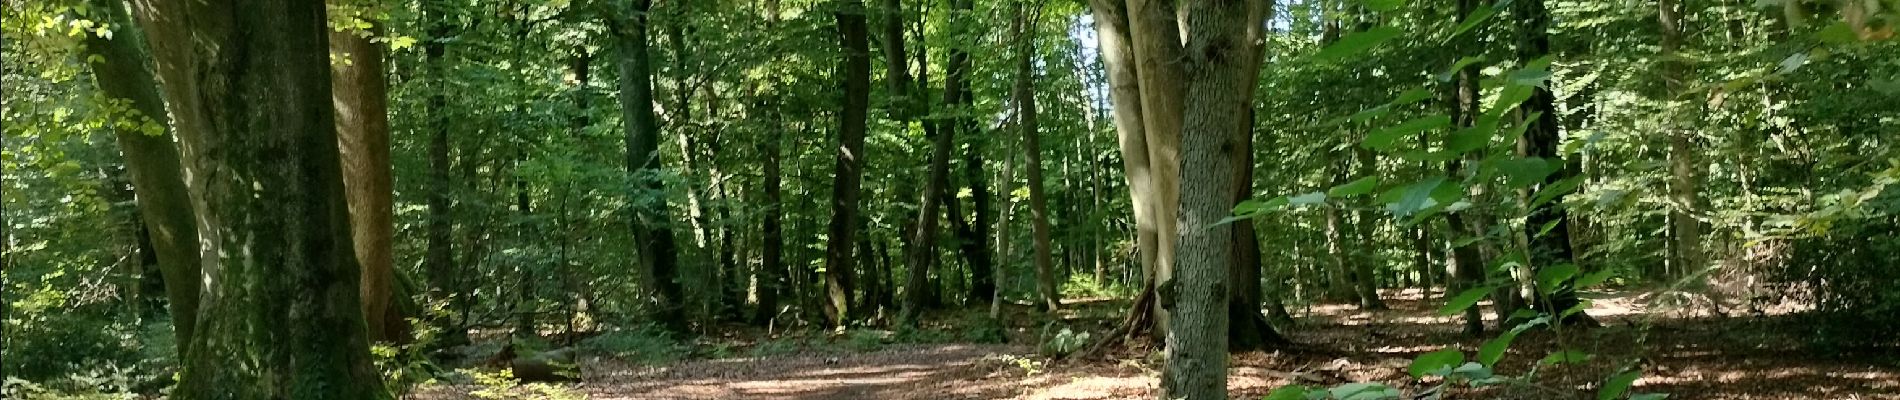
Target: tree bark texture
{"x": 249, "y": 86}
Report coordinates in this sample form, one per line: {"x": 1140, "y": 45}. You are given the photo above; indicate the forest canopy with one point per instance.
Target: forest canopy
{"x": 1201, "y": 199}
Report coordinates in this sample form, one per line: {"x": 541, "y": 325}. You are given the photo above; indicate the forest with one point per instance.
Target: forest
{"x": 950, "y": 199}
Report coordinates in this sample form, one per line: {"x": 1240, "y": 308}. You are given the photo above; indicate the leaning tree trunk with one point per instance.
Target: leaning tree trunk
{"x": 249, "y": 86}
{"x": 1216, "y": 66}
{"x": 362, "y": 121}
{"x": 921, "y": 248}
{"x": 854, "y": 40}
{"x": 1542, "y": 139}
{"x": 652, "y": 230}
{"x": 1032, "y": 162}
{"x": 1118, "y": 56}
{"x": 158, "y": 177}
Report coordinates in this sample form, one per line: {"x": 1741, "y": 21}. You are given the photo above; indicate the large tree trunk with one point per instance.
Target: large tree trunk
{"x": 249, "y": 86}
{"x": 1542, "y": 139}
{"x": 854, "y": 42}
{"x": 157, "y": 176}
{"x": 1025, "y": 96}
{"x": 1216, "y": 65}
{"x": 360, "y": 90}
{"x": 651, "y": 222}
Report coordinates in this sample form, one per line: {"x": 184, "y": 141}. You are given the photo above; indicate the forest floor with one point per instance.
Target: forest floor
{"x": 1686, "y": 355}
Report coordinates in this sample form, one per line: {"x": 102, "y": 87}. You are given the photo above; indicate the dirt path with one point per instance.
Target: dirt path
{"x": 1688, "y": 357}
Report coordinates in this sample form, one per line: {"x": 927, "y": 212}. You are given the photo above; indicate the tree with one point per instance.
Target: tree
{"x": 1025, "y": 28}
{"x": 1217, "y": 75}
{"x": 269, "y": 199}
{"x": 361, "y": 93}
{"x": 439, "y": 257}
{"x": 651, "y": 214}
{"x": 122, "y": 71}
{"x": 1548, "y": 249}
{"x": 1685, "y": 227}
{"x": 854, "y": 43}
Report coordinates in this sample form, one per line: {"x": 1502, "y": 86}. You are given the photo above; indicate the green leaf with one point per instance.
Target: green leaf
{"x": 1460, "y": 65}
{"x": 1434, "y": 361}
{"x": 1288, "y": 392}
{"x": 1551, "y": 191}
{"x": 1509, "y": 98}
{"x": 1523, "y": 172}
{"x": 1493, "y": 349}
{"x": 1530, "y": 77}
{"x": 1415, "y": 197}
{"x": 1382, "y": 5}
{"x": 1476, "y": 17}
{"x": 1430, "y": 156}
{"x": 1565, "y": 356}
{"x": 1548, "y": 278}
{"x": 1649, "y": 396}
{"x": 1618, "y": 384}
{"x": 1472, "y": 370}
{"x": 1355, "y": 188}
{"x": 1384, "y": 139}
{"x": 1517, "y": 131}
{"x": 1252, "y": 206}
{"x": 1364, "y": 391}
{"x": 1464, "y": 300}
{"x": 1412, "y": 96}
{"x": 1838, "y": 34}
{"x": 1356, "y": 43}
{"x": 1253, "y": 209}
{"x": 1470, "y": 138}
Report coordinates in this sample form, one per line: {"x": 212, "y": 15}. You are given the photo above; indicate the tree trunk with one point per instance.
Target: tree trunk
{"x": 1542, "y": 139}
{"x": 361, "y": 93}
{"x": 1685, "y": 229}
{"x": 1365, "y": 282}
{"x": 152, "y": 161}
{"x": 1197, "y": 296}
{"x": 1118, "y": 57}
{"x": 438, "y": 258}
{"x": 269, "y": 195}
{"x": 854, "y": 41}
{"x": 771, "y": 262}
{"x": 652, "y": 231}
{"x": 1156, "y": 37}
{"x": 1466, "y": 268}
{"x": 1025, "y": 28}
{"x": 972, "y": 237}
{"x": 1247, "y": 326}
{"x": 921, "y": 249}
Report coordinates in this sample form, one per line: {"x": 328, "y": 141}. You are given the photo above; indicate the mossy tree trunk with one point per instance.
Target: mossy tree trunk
{"x": 249, "y": 85}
